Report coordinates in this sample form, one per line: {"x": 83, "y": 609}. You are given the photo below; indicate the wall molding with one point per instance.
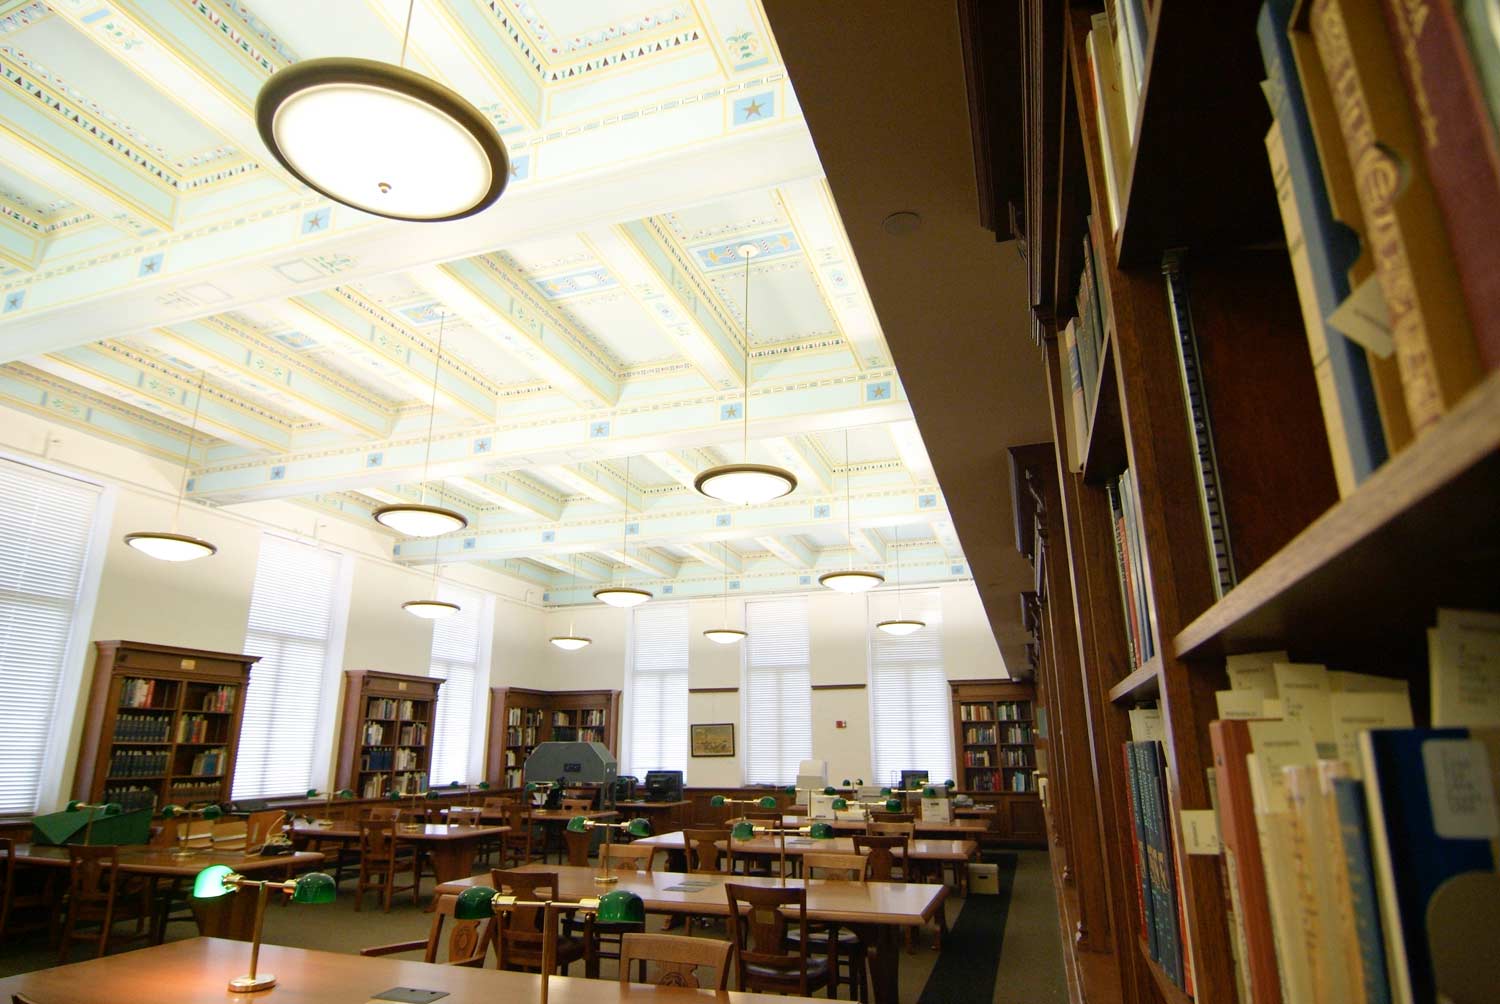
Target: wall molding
{"x": 713, "y": 690}
{"x": 839, "y": 686}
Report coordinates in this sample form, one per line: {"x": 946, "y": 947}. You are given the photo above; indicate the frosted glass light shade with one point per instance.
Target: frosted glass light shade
{"x": 430, "y": 610}
{"x": 570, "y": 643}
{"x": 901, "y": 627}
{"x": 382, "y": 139}
{"x": 851, "y": 581}
{"x": 745, "y": 484}
{"x": 170, "y": 546}
{"x": 725, "y": 636}
{"x": 411, "y": 520}
{"x": 621, "y": 596}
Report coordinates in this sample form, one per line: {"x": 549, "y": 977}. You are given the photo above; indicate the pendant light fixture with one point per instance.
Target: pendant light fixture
{"x": 900, "y": 626}
{"x": 571, "y": 642}
{"x": 381, "y": 138}
{"x": 171, "y": 545}
{"x": 623, "y": 596}
{"x": 746, "y": 483}
{"x": 853, "y": 580}
{"x": 411, "y": 519}
{"x": 431, "y": 609}
{"x": 725, "y": 635}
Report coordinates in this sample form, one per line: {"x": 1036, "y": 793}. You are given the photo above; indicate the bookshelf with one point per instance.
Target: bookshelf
{"x": 163, "y": 725}
{"x": 995, "y": 737}
{"x": 521, "y": 718}
{"x": 385, "y": 744}
{"x": 1285, "y": 550}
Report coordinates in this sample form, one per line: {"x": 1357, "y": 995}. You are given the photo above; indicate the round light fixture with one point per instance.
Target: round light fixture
{"x": 382, "y": 139}
{"x": 170, "y": 546}
{"x": 412, "y": 520}
{"x": 725, "y": 636}
{"x": 745, "y": 484}
{"x": 571, "y": 643}
{"x": 853, "y": 581}
{"x": 621, "y": 596}
{"x": 430, "y": 610}
{"x": 901, "y": 627}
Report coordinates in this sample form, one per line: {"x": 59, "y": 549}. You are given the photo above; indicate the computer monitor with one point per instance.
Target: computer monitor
{"x": 913, "y": 779}
{"x": 812, "y": 775}
{"x": 663, "y": 785}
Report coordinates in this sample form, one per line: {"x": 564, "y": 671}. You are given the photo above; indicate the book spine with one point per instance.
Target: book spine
{"x": 1349, "y": 797}
{"x": 1138, "y": 844}
{"x": 1087, "y": 333}
{"x": 1143, "y": 836}
{"x": 1434, "y": 348}
{"x": 1458, "y": 140}
{"x": 1165, "y": 890}
{"x": 1122, "y": 569}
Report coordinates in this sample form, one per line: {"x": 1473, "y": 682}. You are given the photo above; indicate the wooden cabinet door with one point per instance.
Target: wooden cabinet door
{"x": 1026, "y": 820}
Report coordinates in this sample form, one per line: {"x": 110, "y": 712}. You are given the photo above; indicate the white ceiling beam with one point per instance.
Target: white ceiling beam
{"x": 713, "y": 555}
{"x": 645, "y": 559}
{"x": 586, "y": 567}
{"x": 797, "y": 455}
{"x": 513, "y": 492}
{"x": 591, "y": 480}
{"x": 790, "y": 550}
{"x": 87, "y": 192}
{"x": 912, "y": 451}
{"x": 868, "y": 543}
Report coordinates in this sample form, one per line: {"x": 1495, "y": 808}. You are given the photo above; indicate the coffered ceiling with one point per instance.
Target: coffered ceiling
{"x": 592, "y": 322}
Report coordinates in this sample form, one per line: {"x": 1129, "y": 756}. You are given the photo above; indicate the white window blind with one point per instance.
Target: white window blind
{"x": 291, "y": 620}
{"x": 778, "y": 690}
{"x": 457, "y": 645}
{"x": 46, "y": 521}
{"x": 656, "y": 692}
{"x": 910, "y": 715}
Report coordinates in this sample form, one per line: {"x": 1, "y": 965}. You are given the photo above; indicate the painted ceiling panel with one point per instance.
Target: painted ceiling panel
{"x": 786, "y": 303}
{"x": 615, "y": 320}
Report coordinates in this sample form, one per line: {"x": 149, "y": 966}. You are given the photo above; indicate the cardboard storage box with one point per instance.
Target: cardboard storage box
{"x": 984, "y": 880}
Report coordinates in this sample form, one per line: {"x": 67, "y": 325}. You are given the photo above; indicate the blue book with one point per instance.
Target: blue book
{"x": 1142, "y": 843}
{"x": 1331, "y": 246}
{"x": 1354, "y": 833}
{"x": 1432, "y": 815}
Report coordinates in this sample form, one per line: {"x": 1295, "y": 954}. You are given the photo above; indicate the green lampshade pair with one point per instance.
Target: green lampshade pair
{"x": 848, "y": 783}
{"x": 314, "y": 887}
{"x": 577, "y": 824}
{"x": 636, "y": 827}
{"x": 619, "y": 906}
{"x": 106, "y": 809}
{"x": 207, "y": 812}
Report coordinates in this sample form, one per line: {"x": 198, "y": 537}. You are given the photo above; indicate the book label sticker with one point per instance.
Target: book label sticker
{"x": 1462, "y": 791}
{"x": 1200, "y": 831}
{"x": 1239, "y": 703}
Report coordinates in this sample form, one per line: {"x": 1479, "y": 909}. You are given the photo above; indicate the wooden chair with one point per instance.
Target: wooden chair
{"x": 391, "y": 813}
{"x": 578, "y": 805}
{"x": 758, "y": 932}
{"x": 381, "y": 861}
{"x": 628, "y": 857}
{"x": 464, "y": 816}
{"x": 880, "y": 851}
{"x": 704, "y": 850}
{"x": 41, "y": 896}
{"x": 893, "y": 817}
{"x": 578, "y": 846}
{"x": 677, "y": 959}
{"x": 516, "y": 847}
{"x": 518, "y": 932}
{"x": 493, "y": 847}
{"x": 98, "y": 893}
{"x": 468, "y": 940}
{"x": 839, "y": 868}
{"x": 229, "y": 836}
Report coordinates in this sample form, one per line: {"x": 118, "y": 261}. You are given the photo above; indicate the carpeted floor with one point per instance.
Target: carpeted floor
{"x": 1003, "y": 948}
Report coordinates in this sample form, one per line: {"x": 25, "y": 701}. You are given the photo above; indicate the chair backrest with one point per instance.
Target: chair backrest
{"x": 92, "y": 872}
{"x": 774, "y": 814}
{"x": 880, "y": 850}
{"x": 703, "y": 850}
{"x": 578, "y": 845}
{"x": 497, "y": 802}
{"x": 464, "y": 816}
{"x": 390, "y": 812}
{"x": 377, "y": 838}
{"x": 759, "y": 934}
{"x": 677, "y": 958}
{"x": 230, "y": 835}
{"x": 518, "y": 932}
{"x": 262, "y": 826}
{"x": 893, "y": 817}
{"x": 577, "y": 805}
{"x": 836, "y": 867}
{"x": 893, "y": 829}
{"x": 468, "y": 940}
{"x": 621, "y": 857}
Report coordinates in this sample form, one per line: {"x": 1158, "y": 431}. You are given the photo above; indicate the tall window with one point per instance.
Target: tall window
{"x": 46, "y": 521}
{"x": 778, "y": 690}
{"x": 457, "y": 650}
{"x": 656, "y": 695}
{"x": 291, "y": 623}
{"x": 910, "y": 727}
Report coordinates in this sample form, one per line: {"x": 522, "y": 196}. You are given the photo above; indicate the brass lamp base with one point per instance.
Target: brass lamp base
{"x": 250, "y": 984}
{"x": 606, "y": 879}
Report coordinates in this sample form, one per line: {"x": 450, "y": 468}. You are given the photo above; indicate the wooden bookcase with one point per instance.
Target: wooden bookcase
{"x": 385, "y": 742}
{"x": 521, "y": 718}
{"x": 994, "y": 737}
{"x": 1351, "y": 582}
{"x": 163, "y": 725}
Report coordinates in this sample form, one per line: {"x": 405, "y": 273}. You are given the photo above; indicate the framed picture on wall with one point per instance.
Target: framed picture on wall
{"x": 713, "y": 740}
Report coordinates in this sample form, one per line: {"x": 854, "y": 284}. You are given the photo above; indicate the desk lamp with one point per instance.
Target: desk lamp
{"x": 635, "y": 827}
{"x": 220, "y": 880}
{"x": 745, "y": 830}
{"x": 104, "y": 809}
{"x": 767, "y": 802}
{"x": 617, "y": 906}
{"x": 184, "y": 848}
{"x": 328, "y": 797}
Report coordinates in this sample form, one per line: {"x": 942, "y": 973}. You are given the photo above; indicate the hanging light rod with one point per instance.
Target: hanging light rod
{"x": 169, "y": 545}
{"x": 382, "y": 139}
{"x": 745, "y": 483}
{"x": 851, "y": 579}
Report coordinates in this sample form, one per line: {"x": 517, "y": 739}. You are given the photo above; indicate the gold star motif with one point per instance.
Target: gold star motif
{"x": 753, "y": 110}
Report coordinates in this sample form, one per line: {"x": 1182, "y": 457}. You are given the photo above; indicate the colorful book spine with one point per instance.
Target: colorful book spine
{"x": 1349, "y": 798}
{"x": 1458, "y": 138}
{"x": 1163, "y": 863}
{"x": 1435, "y": 349}
{"x": 1138, "y": 838}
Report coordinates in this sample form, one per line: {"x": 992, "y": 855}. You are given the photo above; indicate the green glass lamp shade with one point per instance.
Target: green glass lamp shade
{"x": 394, "y": 796}
{"x": 530, "y": 786}
{"x": 483, "y": 786}
{"x": 790, "y": 789}
{"x": 859, "y": 780}
{"x": 209, "y": 883}
{"x": 316, "y": 888}
{"x": 949, "y": 783}
{"x": 893, "y": 805}
{"x": 577, "y": 824}
{"x": 717, "y": 801}
{"x": 638, "y": 828}
{"x": 73, "y": 805}
{"x": 212, "y": 812}
{"x": 820, "y": 831}
{"x": 831, "y": 790}
{"x": 474, "y": 903}
{"x": 839, "y": 804}
{"x": 169, "y": 811}
{"x": 929, "y": 792}
{"x": 769, "y": 802}
{"x": 743, "y": 831}
{"x": 846, "y": 782}
{"x": 112, "y": 809}
{"x": 312, "y": 793}
{"x": 620, "y": 906}
{"x": 345, "y": 793}
{"x": 885, "y": 791}
{"x": 455, "y": 784}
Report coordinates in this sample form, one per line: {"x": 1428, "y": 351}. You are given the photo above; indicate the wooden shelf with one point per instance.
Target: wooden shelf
{"x": 1170, "y": 992}
{"x": 1143, "y": 684}
{"x": 1104, "y": 453}
{"x": 1418, "y": 534}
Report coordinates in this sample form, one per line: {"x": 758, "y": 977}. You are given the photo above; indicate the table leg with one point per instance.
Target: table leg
{"x": 451, "y": 860}
{"x": 883, "y": 951}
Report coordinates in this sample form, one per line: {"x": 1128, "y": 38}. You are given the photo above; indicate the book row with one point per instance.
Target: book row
{"x": 1001, "y": 758}
{"x": 989, "y": 735}
{"x": 143, "y": 729}
{"x": 387, "y": 708}
{"x": 188, "y": 792}
{"x": 131, "y": 797}
{"x": 1020, "y": 781}
{"x": 209, "y": 763}
{"x": 1130, "y": 567}
{"x": 197, "y": 728}
{"x": 139, "y": 693}
{"x": 218, "y": 699}
{"x": 138, "y": 763}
